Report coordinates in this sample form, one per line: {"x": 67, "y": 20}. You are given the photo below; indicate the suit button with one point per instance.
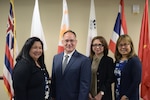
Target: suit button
{"x": 97, "y": 80}
{"x": 97, "y": 73}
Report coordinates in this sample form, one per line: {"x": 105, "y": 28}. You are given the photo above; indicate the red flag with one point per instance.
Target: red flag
{"x": 144, "y": 54}
{"x": 64, "y": 25}
{"x": 120, "y": 27}
{"x": 10, "y": 51}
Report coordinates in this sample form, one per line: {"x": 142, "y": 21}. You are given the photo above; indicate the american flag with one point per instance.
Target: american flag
{"x": 10, "y": 51}
{"x": 64, "y": 25}
{"x": 120, "y": 27}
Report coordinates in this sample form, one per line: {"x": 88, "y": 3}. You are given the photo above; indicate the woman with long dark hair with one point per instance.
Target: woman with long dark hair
{"x": 30, "y": 76}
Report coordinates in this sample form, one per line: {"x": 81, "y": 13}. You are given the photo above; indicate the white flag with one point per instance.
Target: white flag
{"x": 92, "y": 31}
{"x": 64, "y": 25}
{"x": 36, "y": 28}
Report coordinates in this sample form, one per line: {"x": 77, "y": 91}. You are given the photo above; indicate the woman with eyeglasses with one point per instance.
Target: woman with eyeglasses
{"x": 127, "y": 70}
{"x": 102, "y": 70}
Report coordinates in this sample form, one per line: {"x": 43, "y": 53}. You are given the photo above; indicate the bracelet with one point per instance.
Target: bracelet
{"x": 102, "y": 93}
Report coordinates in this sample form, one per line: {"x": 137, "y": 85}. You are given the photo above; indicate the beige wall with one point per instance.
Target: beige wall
{"x": 51, "y": 15}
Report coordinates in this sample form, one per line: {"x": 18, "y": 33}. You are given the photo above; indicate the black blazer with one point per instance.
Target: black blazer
{"x": 28, "y": 81}
{"x": 105, "y": 77}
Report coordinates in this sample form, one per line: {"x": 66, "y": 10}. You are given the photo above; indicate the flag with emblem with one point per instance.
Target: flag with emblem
{"x": 92, "y": 30}
{"x": 144, "y": 54}
{"x": 64, "y": 25}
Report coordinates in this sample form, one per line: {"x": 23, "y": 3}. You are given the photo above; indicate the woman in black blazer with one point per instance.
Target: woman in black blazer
{"x": 30, "y": 77}
{"x": 102, "y": 70}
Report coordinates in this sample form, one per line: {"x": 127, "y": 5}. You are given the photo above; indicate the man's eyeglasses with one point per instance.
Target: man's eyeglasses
{"x": 97, "y": 45}
{"x": 70, "y": 41}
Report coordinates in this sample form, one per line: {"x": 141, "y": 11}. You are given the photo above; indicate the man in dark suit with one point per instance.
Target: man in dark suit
{"x": 73, "y": 81}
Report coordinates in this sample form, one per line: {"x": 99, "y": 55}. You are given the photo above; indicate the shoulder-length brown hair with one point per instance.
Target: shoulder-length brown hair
{"x": 104, "y": 43}
{"x": 128, "y": 39}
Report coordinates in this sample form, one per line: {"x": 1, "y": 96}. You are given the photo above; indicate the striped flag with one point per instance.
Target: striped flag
{"x": 36, "y": 27}
{"x": 64, "y": 25}
{"x": 11, "y": 50}
{"x": 144, "y": 54}
{"x": 92, "y": 31}
{"x": 120, "y": 27}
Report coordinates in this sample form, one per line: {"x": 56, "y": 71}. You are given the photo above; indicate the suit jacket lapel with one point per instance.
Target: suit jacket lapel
{"x": 60, "y": 59}
{"x": 72, "y": 60}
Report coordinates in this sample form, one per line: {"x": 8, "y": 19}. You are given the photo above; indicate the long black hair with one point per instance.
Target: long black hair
{"x": 24, "y": 53}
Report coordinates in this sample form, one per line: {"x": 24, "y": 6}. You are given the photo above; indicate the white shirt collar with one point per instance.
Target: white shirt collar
{"x": 70, "y": 54}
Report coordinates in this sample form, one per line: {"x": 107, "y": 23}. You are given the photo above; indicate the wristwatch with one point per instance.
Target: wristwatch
{"x": 102, "y": 93}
